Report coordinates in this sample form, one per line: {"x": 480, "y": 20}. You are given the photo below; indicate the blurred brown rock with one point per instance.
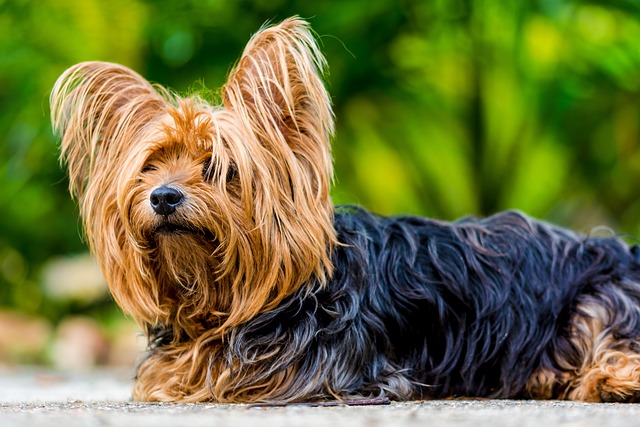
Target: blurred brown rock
{"x": 80, "y": 344}
{"x": 23, "y": 338}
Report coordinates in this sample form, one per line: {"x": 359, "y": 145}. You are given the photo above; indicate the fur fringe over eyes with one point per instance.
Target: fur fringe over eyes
{"x": 214, "y": 228}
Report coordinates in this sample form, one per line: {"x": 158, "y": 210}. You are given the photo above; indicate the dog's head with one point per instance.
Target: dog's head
{"x": 199, "y": 214}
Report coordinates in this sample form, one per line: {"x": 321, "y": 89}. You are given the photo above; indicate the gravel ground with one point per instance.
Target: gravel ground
{"x": 101, "y": 398}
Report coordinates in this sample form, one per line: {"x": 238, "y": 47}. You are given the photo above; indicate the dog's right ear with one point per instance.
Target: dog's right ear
{"x": 98, "y": 109}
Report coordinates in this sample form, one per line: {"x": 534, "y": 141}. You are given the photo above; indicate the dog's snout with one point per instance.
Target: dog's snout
{"x": 164, "y": 200}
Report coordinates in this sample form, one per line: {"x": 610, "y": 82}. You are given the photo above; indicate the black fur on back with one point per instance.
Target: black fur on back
{"x": 423, "y": 308}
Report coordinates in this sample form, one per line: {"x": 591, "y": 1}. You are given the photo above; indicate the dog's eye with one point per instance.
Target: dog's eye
{"x": 231, "y": 172}
{"x": 149, "y": 168}
{"x": 208, "y": 169}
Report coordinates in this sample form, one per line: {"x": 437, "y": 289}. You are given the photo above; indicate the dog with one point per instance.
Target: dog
{"x": 215, "y": 230}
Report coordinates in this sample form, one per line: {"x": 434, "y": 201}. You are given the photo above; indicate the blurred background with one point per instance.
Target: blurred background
{"x": 444, "y": 108}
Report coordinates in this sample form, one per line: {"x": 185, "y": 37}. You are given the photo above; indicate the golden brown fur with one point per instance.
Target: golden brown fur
{"x": 251, "y": 287}
{"x": 276, "y": 115}
{"x": 602, "y": 366}
{"x": 276, "y": 123}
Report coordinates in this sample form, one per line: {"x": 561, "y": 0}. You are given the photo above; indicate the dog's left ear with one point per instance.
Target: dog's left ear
{"x": 277, "y": 91}
{"x": 282, "y": 127}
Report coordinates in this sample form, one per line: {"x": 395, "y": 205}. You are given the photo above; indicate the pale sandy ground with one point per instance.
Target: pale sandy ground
{"x": 31, "y": 397}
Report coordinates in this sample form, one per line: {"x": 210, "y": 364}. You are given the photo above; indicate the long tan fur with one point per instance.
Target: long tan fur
{"x": 215, "y": 231}
{"x": 259, "y": 233}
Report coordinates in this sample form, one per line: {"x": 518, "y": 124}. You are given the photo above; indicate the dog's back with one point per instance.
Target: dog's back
{"x": 501, "y": 307}
{"x": 475, "y": 307}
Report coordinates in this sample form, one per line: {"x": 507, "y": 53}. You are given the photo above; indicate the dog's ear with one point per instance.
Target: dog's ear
{"x": 277, "y": 92}
{"x": 282, "y": 127}
{"x": 98, "y": 109}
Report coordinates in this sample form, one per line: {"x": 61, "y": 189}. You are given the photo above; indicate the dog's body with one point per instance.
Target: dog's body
{"x": 215, "y": 230}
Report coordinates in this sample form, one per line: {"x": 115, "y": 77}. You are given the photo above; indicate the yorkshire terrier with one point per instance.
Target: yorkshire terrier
{"x": 215, "y": 230}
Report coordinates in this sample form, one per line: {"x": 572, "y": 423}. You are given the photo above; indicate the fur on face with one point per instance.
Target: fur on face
{"x": 215, "y": 231}
{"x": 255, "y": 219}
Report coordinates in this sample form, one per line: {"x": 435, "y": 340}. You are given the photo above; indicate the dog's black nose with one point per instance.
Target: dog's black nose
{"x": 164, "y": 200}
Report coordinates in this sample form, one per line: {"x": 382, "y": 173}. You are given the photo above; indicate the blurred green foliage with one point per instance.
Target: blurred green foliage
{"x": 444, "y": 107}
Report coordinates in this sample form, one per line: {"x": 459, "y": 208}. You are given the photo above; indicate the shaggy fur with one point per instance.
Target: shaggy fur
{"x": 214, "y": 228}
